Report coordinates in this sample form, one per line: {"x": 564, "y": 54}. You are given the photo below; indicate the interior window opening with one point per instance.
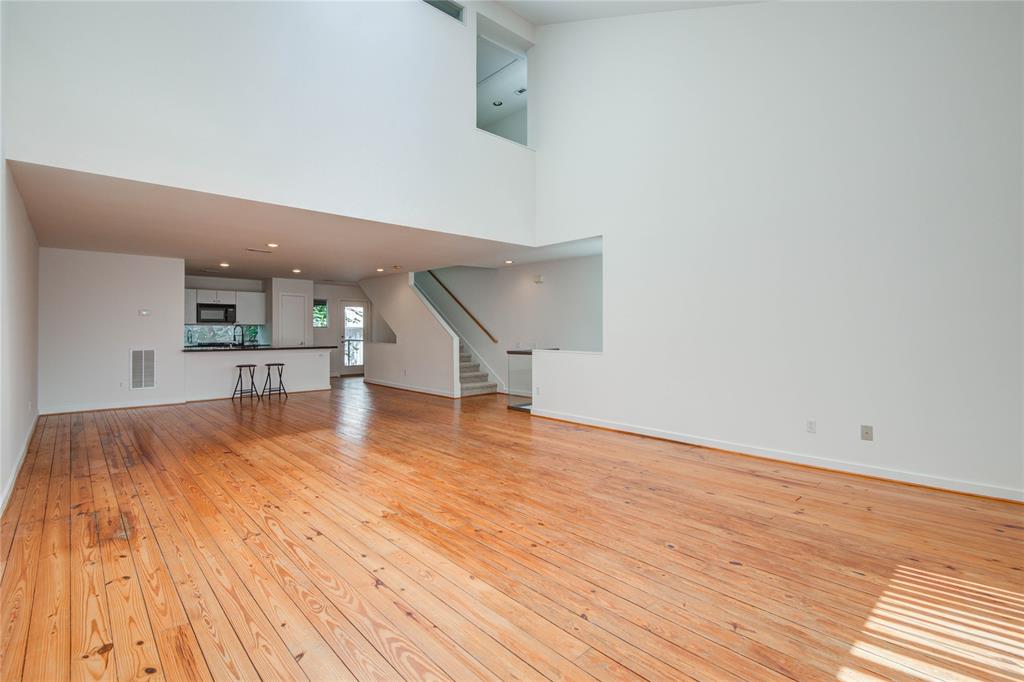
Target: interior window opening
{"x": 501, "y": 81}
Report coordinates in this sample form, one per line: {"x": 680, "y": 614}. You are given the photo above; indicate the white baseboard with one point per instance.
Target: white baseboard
{"x": 97, "y": 407}
{"x": 410, "y": 387}
{"x": 9, "y": 488}
{"x": 797, "y": 458}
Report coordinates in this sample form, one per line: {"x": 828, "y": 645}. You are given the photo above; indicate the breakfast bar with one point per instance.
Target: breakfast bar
{"x": 210, "y": 370}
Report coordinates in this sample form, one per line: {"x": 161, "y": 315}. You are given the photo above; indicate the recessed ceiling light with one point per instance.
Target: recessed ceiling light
{"x": 296, "y": 270}
{"x": 509, "y": 262}
{"x": 225, "y": 265}
{"x": 497, "y": 102}
{"x": 380, "y": 269}
{"x": 272, "y": 245}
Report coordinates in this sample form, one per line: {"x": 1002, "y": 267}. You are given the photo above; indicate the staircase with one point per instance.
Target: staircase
{"x": 473, "y": 380}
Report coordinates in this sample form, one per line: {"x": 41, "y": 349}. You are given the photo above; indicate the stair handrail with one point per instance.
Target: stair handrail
{"x": 464, "y": 308}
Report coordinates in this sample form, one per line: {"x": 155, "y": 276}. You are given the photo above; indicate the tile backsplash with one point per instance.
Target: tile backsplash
{"x": 222, "y": 333}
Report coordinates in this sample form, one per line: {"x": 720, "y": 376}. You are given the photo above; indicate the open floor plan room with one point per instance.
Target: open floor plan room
{"x": 458, "y": 340}
{"x": 371, "y": 533}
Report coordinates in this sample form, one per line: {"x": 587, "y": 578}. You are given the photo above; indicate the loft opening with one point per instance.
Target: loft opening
{"x": 501, "y": 81}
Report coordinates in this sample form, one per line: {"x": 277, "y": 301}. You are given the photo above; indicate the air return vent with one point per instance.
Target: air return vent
{"x": 143, "y": 368}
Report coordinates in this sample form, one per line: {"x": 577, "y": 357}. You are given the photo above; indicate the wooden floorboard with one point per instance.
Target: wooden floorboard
{"x": 374, "y": 534}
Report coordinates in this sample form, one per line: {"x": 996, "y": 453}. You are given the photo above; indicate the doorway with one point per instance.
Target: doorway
{"x": 353, "y": 335}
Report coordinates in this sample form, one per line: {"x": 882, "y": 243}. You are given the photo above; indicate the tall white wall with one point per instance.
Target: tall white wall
{"x": 365, "y": 109}
{"x": 19, "y": 263}
{"x": 424, "y": 356}
{"x": 562, "y": 312}
{"x": 814, "y": 210}
{"x": 89, "y": 321}
{"x": 20, "y": 294}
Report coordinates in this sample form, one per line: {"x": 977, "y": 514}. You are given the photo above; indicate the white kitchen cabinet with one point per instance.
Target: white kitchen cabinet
{"x": 250, "y": 307}
{"x": 190, "y": 306}
{"x": 211, "y": 296}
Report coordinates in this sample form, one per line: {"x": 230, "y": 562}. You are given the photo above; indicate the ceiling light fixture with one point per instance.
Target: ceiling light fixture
{"x": 521, "y": 91}
{"x": 497, "y": 102}
{"x": 225, "y": 265}
{"x": 296, "y": 270}
{"x": 509, "y": 262}
{"x": 380, "y": 269}
{"x": 272, "y": 245}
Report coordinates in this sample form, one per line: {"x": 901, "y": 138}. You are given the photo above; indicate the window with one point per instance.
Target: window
{"x": 320, "y": 313}
{"x": 452, "y": 9}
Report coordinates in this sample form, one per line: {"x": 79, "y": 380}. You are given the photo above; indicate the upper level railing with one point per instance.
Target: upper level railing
{"x": 464, "y": 308}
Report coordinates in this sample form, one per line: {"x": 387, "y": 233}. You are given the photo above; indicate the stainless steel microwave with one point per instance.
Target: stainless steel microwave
{"x": 215, "y": 313}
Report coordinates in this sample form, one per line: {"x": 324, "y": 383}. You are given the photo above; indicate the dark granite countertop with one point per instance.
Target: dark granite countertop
{"x": 211, "y": 349}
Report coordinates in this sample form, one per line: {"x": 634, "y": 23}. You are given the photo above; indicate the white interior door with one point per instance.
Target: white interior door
{"x": 294, "y": 309}
{"x": 354, "y": 327}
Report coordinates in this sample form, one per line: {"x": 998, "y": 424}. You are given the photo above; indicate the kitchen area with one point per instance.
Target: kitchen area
{"x": 230, "y": 322}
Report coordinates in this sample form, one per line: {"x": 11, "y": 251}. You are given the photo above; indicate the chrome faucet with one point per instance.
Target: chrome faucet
{"x": 237, "y": 338}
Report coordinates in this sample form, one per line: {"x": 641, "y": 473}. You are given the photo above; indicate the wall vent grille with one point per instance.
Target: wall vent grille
{"x": 143, "y": 373}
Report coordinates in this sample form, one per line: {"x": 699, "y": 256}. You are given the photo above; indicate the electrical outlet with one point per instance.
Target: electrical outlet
{"x": 867, "y": 432}
{"x": 812, "y": 426}
{"x": 536, "y": 390}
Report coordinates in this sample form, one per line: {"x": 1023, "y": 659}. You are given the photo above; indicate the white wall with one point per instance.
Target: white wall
{"x": 89, "y": 322}
{"x": 19, "y": 264}
{"x": 425, "y": 355}
{"x": 335, "y": 295}
{"x": 222, "y": 283}
{"x": 19, "y": 398}
{"x": 562, "y": 312}
{"x": 815, "y": 210}
{"x": 512, "y": 127}
{"x": 365, "y": 109}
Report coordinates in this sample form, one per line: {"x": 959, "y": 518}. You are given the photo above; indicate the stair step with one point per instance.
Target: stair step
{"x": 469, "y": 367}
{"x": 479, "y": 388}
{"x": 465, "y": 357}
{"x": 473, "y": 377}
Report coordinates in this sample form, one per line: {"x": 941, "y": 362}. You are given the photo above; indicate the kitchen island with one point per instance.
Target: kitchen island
{"x": 210, "y": 371}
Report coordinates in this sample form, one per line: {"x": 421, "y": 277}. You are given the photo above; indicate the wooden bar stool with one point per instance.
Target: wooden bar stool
{"x": 268, "y": 385}
{"x": 240, "y": 390}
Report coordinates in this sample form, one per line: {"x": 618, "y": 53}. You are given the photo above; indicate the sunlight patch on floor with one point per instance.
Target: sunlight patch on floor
{"x": 931, "y": 625}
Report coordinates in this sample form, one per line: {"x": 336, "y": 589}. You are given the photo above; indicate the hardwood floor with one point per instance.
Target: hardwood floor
{"x": 371, "y": 533}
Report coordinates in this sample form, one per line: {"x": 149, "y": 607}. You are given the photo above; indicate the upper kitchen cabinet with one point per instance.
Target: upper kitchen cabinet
{"x": 190, "y": 306}
{"x": 250, "y": 307}
{"x": 211, "y": 296}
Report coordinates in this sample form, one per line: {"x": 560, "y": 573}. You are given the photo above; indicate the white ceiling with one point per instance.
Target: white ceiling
{"x": 75, "y": 210}
{"x": 540, "y": 12}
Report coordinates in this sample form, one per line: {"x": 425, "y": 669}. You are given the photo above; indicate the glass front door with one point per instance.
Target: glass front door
{"x": 353, "y": 320}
